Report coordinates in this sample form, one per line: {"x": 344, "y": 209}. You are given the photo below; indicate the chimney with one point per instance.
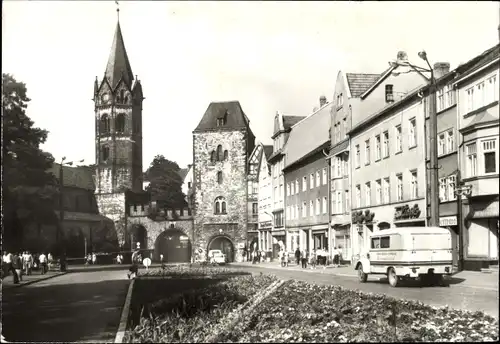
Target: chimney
{"x": 402, "y": 57}
{"x": 440, "y": 69}
{"x": 322, "y": 101}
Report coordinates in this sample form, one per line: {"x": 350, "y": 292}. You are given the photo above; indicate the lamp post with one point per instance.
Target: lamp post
{"x": 463, "y": 190}
{"x": 433, "y": 147}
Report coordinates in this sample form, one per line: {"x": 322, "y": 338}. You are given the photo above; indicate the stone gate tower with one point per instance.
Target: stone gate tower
{"x": 222, "y": 143}
{"x": 118, "y": 122}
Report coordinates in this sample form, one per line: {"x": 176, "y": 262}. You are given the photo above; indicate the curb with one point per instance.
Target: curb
{"x": 330, "y": 271}
{"x": 125, "y": 313}
{"x": 35, "y": 281}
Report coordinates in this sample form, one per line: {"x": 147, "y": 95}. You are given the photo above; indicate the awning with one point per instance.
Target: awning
{"x": 490, "y": 211}
{"x": 339, "y": 223}
{"x": 319, "y": 231}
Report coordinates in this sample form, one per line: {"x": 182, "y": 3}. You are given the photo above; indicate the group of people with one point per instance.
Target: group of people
{"x": 91, "y": 259}
{"x": 257, "y": 256}
{"x": 312, "y": 258}
{"x": 24, "y": 263}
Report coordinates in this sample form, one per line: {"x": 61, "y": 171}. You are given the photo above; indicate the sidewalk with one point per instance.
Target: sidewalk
{"x": 471, "y": 279}
{"x": 8, "y": 281}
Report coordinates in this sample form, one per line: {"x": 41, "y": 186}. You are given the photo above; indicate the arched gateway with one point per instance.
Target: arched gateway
{"x": 174, "y": 245}
{"x": 224, "y": 244}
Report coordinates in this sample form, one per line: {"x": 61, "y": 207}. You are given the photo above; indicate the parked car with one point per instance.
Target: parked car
{"x": 216, "y": 257}
{"x": 423, "y": 253}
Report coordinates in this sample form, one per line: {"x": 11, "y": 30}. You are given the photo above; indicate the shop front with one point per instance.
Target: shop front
{"x": 481, "y": 233}
{"x": 411, "y": 214}
{"x": 341, "y": 236}
{"x": 451, "y": 223}
{"x": 278, "y": 238}
{"x": 265, "y": 238}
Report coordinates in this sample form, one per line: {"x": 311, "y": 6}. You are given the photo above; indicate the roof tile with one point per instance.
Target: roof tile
{"x": 236, "y": 118}
{"x": 359, "y": 82}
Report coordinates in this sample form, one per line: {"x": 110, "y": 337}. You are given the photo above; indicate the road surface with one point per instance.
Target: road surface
{"x": 76, "y": 307}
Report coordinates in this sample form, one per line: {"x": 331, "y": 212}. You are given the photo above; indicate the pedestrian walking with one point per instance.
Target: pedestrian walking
{"x": 335, "y": 254}
{"x": 17, "y": 266}
{"x": 94, "y": 258}
{"x": 281, "y": 257}
{"x": 134, "y": 268}
{"x": 339, "y": 250}
{"x": 285, "y": 258}
{"x": 297, "y": 255}
{"x": 303, "y": 259}
{"x": 29, "y": 263}
{"x": 312, "y": 259}
{"x": 6, "y": 264}
{"x": 43, "y": 263}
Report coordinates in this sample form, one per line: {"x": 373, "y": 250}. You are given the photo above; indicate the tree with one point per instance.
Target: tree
{"x": 27, "y": 184}
{"x": 165, "y": 185}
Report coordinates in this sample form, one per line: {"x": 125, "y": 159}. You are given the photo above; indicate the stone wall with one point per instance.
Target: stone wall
{"x": 113, "y": 207}
{"x": 233, "y": 225}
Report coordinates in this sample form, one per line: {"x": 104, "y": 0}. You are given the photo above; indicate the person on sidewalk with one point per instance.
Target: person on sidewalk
{"x": 281, "y": 257}
{"x": 43, "y": 263}
{"x": 29, "y": 263}
{"x": 303, "y": 259}
{"x": 335, "y": 254}
{"x": 7, "y": 263}
{"x": 297, "y": 255}
{"x": 135, "y": 266}
{"x": 285, "y": 259}
{"x": 312, "y": 259}
{"x": 17, "y": 266}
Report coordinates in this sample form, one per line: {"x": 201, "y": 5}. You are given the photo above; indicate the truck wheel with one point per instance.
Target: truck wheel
{"x": 361, "y": 275}
{"x": 392, "y": 277}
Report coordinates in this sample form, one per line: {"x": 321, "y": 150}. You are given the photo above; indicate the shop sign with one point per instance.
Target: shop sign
{"x": 265, "y": 224}
{"x": 405, "y": 212}
{"x": 447, "y": 221}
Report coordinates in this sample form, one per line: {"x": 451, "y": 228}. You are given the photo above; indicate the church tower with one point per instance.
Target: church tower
{"x": 118, "y": 121}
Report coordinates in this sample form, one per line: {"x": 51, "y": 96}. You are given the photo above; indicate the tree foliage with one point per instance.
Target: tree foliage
{"x": 165, "y": 185}
{"x": 27, "y": 185}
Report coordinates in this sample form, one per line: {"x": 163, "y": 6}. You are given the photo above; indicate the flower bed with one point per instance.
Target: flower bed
{"x": 189, "y": 271}
{"x": 193, "y": 315}
{"x": 302, "y": 312}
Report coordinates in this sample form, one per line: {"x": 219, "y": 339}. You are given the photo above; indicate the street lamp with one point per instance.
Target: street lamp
{"x": 433, "y": 147}
{"x": 61, "y": 204}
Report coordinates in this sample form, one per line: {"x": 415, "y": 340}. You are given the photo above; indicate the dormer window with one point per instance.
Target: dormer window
{"x": 389, "y": 94}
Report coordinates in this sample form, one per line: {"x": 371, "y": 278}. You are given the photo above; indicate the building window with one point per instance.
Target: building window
{"x": 304, "y": 209}
{"x": 325, "y": 205}
{"x": 311, "y": 181}
{"x": 479, "y": 96}
{"x": 104, "y": 153}
{"x": 440, "y": 99}
{"x": 399, "y": 139}
{"x": 340, "y": 100}
{"x": 489, "y": 156}
{"x": 491, "y": 91}
{"x": 297, "y": 186}
{"x": 387, "y": 191}
{"x": 442, "y": 190}
{"x": 120, "y": 123}
{"x": 345, "y": 158}
{"x": 219, "y": 177}
{"x": 220, "y": 157}
{"x": 318, "y": 179}
{"x": 325, "y": 174}
{"x": 220, "y": 206}
{"x": 414, "y": 185}
{"x": 378, "y": 148}
{"x": 311, "y": 208}
{"x": 347, "y": 201}
{"x": 378, "y": 191}
{"x": 255, "y": 208}
{"x": 441, "y": 143}
{"x": 399, "y": 180}
{"x": 368, "y": 193}
{"x": 450, "y": 141}
{"x": 358, "y": 196}
{"x": 304, "y": 183}
{"x": 446, "y": 142}
{"x": 358, "y": 156}
{"x": 386, "y": 143}
{"x": 470, "y": 99}
{"x": 367, "y": 152}
{"x": 339, "y": 202}
{"x": 413, "y": 132}
{"x": 451, "y": 187}
{"x": 389, "y": 93}
{"x": 471, "y": 160}
{"x": 288, "y": 189}
{"x": 318, "y": 206}
{"x": 225, "y": 155}
{"x": 450, "y": 96}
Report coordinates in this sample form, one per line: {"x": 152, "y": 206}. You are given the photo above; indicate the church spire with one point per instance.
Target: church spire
{"x": 118, "y": 64}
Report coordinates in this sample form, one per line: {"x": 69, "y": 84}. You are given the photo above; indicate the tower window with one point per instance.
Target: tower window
{"x": 219, "y": 177}
{"x": 120, "y": 123}
{"x": 219, "y": 153}
{"x": 104, "y": 153}
{"x": 105, "y": 124}
{"x": 225, "y": 154}
{"x": 221, "y": 121}
{"x": 213, "y": 157}
{"x": 122, "y": 96}
{"x": 220, "y": 206}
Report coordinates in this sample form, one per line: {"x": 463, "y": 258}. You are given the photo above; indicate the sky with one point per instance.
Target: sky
{"x": 270, "y": 56}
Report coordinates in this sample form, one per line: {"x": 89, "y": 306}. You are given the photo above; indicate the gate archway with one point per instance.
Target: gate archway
{"x": 139, "y": 234}
{"x": 224, "y": 244}
{"x": 174, "y": 245}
